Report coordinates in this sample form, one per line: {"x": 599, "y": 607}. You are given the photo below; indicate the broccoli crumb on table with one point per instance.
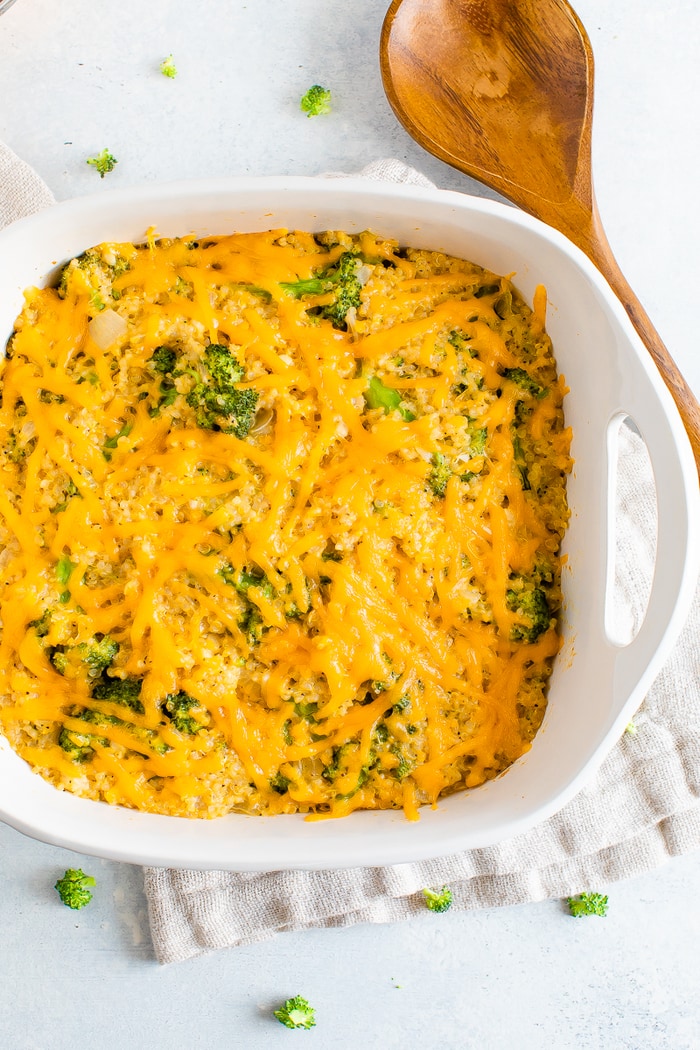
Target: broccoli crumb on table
{"x": 296, "y": 1013}
{"x": 73, "y": 890}
{"x": 280, "y": 525}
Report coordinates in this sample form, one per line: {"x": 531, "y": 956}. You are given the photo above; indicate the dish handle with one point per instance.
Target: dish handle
{"x": 677, "y": 543}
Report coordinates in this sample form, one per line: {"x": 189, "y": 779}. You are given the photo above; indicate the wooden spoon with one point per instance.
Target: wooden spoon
{"x": 503, "y": 91}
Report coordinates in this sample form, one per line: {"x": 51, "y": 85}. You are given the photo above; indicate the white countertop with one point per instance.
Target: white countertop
{"x": 78, "y": 76}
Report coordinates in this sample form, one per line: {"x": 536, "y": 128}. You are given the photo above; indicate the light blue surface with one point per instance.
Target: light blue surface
{"x": 78, "y": 76}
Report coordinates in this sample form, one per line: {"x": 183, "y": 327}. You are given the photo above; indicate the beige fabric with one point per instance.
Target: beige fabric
{"x": 22, "y": 192}
{"x": 642, "y": 807}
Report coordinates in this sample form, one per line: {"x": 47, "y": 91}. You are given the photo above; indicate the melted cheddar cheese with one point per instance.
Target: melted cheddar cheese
{"x": 280, "y": 520}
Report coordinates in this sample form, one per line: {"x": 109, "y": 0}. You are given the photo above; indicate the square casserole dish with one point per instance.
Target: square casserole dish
{"x": 597, "y": 684}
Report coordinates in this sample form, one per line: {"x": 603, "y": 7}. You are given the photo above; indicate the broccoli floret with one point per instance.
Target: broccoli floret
{"x": 280, "y": 783}
{"x": 341, "y": 278}
{"x": 163, "y": 359}
{"x": 90, "y": 658}
{"x": 404, "y": 767}
{"x": 98, "y": 654}
{"x": 42, "y": 625}
{"x": 588, "y": 904}
{"x": 76, "y": 745}
{"x": 103, "y": 162}
{"x": 218, "y": 404}
{"x": 98, "y": 274}
{"x": 245, "y": 579}
{"x": 251, "y": 624}
{"x": 177, "y": 706}
{"x": 336, "y": 766}
{"x": 477, "y": 440}
{"x": 438, "y": 900}
{"x": 315, "y": 101}
{"x": 308, "y": 286}
{"x": 296, "y": 1013}
{"x": 149, "y": 737}
{"x": 168, "y": 67}
{"x": 223, "y": 366}
{"x": 72, "y": 888}
{"x": 377, "y": 395}
{"x": 125, "y": 691}
{"x": 347, "y": 290}
{"x": 531, "y": 603}
{"x": 525, "y": 382}
{"x": 439, "y": 475}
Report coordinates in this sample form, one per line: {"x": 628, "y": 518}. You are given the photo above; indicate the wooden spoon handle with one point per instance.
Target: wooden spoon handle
{"x": 596, "y": 246}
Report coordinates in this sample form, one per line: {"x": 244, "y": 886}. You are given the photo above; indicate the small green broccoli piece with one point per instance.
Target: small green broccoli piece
{"x": 280, "y": 783}
{"x": 316, "y": 101}
{"x": 251, "y": 624}
{"x": 296, "y": 1013}
{"x": 588, "y": 904}
{"x": 90, "y": 658}
{"x": 531, "y": 603}
{"x": 69, "y": 491}
{"x": 163, "y": 359}
{"x": 76, "y": 745}
{"x": 72, "y": 888}
{"x": 103, "y": 162}
{"x": 98, "y": 654}
{"x": 223, "y": 366}
{"x": 307, "y": 286}
{"x": 307, "y": 710}
{"x": 125, "y": 691}
{"x": 177, "y": 706}
{"x": 64, "y": 568}
{"x": 438, "y": 900}
{"x": 168, "y": 67}
{"x": 245, "y": 579}
{"x": 149, "y": 737}
{"x": 377, "y": 395}
{"x": 96, "y": 300}
{"x": 42, "y": 625}
{"x": 477, "y": 440}
{"x": 342, "y": 279}
{"x": 525, "y": 381}
{"x": 333, "y": 770}
{"x": 439, "y": 475}
{"x": 347, "y": 290}
{"x": 404, "y": 767}
{"x": 112, "y": 442}
{"x": 218, "y": 404}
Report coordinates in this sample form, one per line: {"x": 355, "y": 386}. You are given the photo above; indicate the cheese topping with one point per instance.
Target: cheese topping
{"x": 280, "y": 519}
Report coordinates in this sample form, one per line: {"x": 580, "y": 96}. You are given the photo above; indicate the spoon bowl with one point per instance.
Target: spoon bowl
{"x": 503, "y": 91}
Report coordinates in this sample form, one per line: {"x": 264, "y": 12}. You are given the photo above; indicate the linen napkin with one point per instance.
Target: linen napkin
{"x": 640, "y": 809}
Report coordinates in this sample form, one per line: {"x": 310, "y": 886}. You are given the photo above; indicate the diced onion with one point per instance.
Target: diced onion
{"x": 262, "y": 421}
{"x": 106, "y": 327}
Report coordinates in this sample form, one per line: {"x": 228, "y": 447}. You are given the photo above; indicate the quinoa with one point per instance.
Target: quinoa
{"x": 280, "y": 525}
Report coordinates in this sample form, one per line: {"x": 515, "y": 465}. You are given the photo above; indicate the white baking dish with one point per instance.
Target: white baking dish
{"x": 597, "y": 684}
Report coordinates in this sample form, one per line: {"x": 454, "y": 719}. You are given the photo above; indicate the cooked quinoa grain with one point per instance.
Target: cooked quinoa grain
{"x": 280, "y": 521}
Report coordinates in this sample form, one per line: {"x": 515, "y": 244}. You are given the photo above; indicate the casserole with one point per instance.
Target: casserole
{"x": 596, "y": 684}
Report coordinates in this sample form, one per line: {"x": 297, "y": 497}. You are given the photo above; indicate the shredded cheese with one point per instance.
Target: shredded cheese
{"x": 291, "y": 541}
